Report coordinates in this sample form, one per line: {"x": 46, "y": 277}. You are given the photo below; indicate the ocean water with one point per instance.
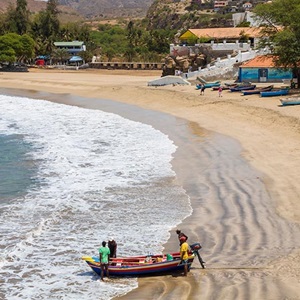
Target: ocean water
{"x": 69, "y": 178}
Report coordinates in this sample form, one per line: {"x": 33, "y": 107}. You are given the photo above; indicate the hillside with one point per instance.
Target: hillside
{"x": 91, "y": 8}
{"x": 109, "y": 8}
{"x": 183, "y": 15}
{"x": 33, "y": 5}
{"x": 167, "y": 14}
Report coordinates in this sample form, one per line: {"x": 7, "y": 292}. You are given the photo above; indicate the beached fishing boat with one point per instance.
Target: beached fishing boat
{"x": 145, "y": 265}
{"x": 212, "y": 84}
{"x": 228, "y": 86}
{"x": 224, "y": 87}
{"x": 209, "y": 84}
{"x": 274, "y": 93}
{"x": 243, "y": 88}
{"x": 290, "y": 101}
{"x": 168, "y": 80}
{"x": 257, "y": 91}
{"x": 141, "y": 265}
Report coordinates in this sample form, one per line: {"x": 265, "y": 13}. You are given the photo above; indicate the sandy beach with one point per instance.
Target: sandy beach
{"x": 269, "y": 137}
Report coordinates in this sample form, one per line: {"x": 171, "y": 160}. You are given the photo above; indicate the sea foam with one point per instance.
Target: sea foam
{"x": 98, "y": 175}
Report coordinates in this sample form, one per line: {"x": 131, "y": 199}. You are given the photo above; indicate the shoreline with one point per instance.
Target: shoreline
{"x": 259, "y": 125}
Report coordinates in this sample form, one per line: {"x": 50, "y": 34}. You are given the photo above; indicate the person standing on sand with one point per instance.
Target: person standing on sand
{"x": 202, "y": 89}
{"x": 112, "y": 245}
{"x": 220, "y": 91}
{"x": 184, "y": 255}
{"x": 103, "y": 255}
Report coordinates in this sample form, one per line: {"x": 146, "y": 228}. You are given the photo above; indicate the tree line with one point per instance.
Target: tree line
{"x": 280, "y": 32}
{"x": 24, "y": 35}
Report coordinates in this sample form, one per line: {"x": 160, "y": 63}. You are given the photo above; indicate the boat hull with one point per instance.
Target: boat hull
{"x": 257, "y": 91}
{"x": 224, "y": 87}
{"x": 168, "y": 80}
{"x": 125, "y": 267}
{"x": 208, "y": 85}
{"x": 282, "y": 92}
{"x": 290, "y": 101}
{"x": 243, "y": 88}
{"x": 213, "y": 84}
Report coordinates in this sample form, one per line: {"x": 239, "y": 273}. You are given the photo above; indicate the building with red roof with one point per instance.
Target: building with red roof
{"x": 262, "y": 69}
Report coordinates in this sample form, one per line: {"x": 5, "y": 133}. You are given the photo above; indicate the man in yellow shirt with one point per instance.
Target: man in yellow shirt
{"x": 184, "y": 255}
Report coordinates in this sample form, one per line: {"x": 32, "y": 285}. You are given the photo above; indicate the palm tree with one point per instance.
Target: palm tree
{"x": 60, "y": 55}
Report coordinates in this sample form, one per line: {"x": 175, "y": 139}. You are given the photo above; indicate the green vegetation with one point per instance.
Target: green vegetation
{"x": 133, "y": 43}
{"x": 24, "y": 36}
{"x": 280, "y": 28}
{"x": 244, "y": 24}
{"x": 15, "y": 47}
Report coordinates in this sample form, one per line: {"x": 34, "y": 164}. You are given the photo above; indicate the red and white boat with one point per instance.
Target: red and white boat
{"x": 145, "y": 265}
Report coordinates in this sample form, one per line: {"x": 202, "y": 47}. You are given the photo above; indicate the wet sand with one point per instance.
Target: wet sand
{"x": 240, "y": 181}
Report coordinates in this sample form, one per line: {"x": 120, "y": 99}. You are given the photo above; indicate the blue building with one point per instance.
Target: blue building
{"x": 262, "y": 69}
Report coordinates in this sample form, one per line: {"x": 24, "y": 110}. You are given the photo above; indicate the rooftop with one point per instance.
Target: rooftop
{"x": 74, "y": 43}
{"x": 223, "y": 33}
{"x": 261, "y": 61}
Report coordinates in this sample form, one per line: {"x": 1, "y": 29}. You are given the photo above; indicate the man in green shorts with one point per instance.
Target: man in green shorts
{"x": 104, "y": 254}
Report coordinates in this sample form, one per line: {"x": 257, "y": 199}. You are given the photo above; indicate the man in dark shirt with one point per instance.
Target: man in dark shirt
{"x": 112, "y": 245}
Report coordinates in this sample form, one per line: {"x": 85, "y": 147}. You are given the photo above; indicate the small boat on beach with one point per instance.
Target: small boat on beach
{"x": 209, "y": 84}
{"x": 257, "y": 91}
{"x": 145, "y": 265}
{"x": 290, "y": 101}
{"x": 274, "y": 93}
{"x": 168, "y": 80}
{"x": 224, "y": 87}
{"x": 243, "y": 88}
{"x": 212, "y": 84}
{"x": 232, "y": 84}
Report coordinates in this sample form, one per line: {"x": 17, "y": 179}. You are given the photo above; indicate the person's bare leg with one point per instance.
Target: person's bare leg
{"x": 185, "y": 270}
{"x": 107, "y": 272}
{"x": 102, "y": 272}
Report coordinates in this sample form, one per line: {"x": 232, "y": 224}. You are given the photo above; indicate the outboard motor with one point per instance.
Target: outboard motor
{"x": 195, "y": 248}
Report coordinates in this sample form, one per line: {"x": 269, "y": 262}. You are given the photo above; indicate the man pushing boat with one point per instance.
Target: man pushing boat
{"x": 184, "y": 253}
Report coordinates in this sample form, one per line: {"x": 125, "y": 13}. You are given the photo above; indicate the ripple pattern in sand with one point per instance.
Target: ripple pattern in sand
{"x": 239, "y": 229}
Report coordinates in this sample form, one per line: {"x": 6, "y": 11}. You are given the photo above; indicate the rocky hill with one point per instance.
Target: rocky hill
{"x": 33, "y": 5}
{"x": 92, "y": 8}
{"x": 109, "y": 8}
{"x": 184, "y": 14}
{"x": 170, "y": 14}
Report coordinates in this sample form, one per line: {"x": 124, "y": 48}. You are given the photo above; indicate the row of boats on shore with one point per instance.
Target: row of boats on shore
{"x": 251, "y": 89}
{"x": 247, "y": 88}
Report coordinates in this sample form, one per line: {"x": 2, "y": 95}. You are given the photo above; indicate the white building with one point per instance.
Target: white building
{"x": 246, "y": 16}
{"x": 72, "y": 47}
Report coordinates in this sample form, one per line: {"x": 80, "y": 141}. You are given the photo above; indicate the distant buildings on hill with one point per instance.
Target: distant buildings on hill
{"x": 228, "y": 6}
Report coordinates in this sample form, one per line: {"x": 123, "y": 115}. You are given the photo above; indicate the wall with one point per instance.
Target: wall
{"x": 247, "y": 16}
{"x": 230, "y": 46}
{"x": 126, "y": 65}
{"x": 272, "y": 75}
{"x": 182, "y": 50}
{"x": 221, "y": 67}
